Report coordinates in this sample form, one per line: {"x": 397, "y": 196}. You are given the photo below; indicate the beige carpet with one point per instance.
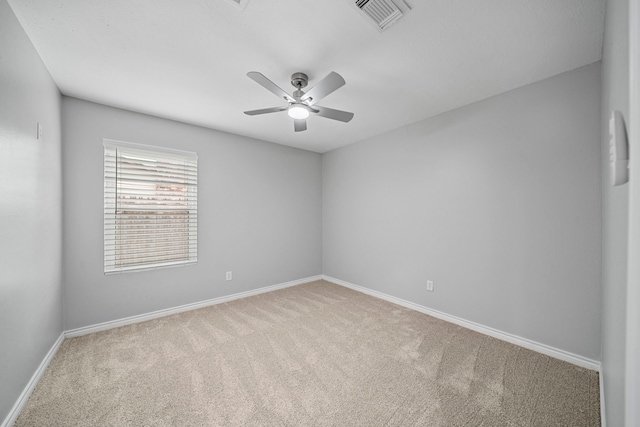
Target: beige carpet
{"x": 312, "y": 355}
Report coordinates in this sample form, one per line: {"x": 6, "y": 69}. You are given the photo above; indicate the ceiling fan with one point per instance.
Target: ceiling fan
{"x": 302, "y": 104}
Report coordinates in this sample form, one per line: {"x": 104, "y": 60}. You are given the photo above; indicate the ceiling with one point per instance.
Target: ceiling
{"x": 187, "y": 60}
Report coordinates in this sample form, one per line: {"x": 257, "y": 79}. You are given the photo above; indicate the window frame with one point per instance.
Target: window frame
{"x": 115, "y": 154}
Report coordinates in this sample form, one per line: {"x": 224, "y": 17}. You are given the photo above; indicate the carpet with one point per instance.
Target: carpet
{"x": 316, "y": 354}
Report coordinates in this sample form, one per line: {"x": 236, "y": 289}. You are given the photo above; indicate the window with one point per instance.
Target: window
{"x": 150, "y": 207}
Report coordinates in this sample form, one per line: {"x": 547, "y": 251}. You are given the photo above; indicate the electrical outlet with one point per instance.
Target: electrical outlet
{"x": 430, "y": 285}
{"x": 229, "y": 275}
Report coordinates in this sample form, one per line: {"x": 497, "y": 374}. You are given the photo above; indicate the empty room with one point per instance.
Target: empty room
{"x": 319, "y": 213}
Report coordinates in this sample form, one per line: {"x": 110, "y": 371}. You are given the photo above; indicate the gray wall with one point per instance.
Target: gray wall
{"x": 30, "y": 211}
{"x": 498, "y": 202}
{"x": 615, "y": 96}
{"x": 259, "y": 209}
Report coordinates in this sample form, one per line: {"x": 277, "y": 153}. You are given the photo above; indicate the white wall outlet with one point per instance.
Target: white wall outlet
{"x": 430, "y": 285}
{"x": 39, "y": 132}
{"x": 229, "y": 275}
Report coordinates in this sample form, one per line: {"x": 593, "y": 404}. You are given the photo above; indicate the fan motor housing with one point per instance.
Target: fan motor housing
{"x": 299, "y": 80}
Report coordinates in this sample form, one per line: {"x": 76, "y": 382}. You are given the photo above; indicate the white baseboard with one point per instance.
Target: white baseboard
{"x": 504, "y": 336}
{"x": 31, "y": 385}
{"x": 182, "y": 308}
{"x": 603, "y": 418}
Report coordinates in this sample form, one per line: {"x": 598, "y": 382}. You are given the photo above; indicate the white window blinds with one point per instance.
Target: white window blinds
{"x": 150, "y": 207}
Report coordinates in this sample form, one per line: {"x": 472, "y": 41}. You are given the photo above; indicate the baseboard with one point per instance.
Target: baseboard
{"x": 31, "y": 385}
{"x": 182, "y": 308}
{"x": 603, "y": 417}
{"x": 495, "y": 333}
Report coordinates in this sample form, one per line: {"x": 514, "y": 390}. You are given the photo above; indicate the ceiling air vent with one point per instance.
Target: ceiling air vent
{"x": 382, "y": 13}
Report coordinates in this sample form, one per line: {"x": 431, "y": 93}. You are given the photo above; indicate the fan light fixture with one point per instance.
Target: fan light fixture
{"x": 298, "y": 111}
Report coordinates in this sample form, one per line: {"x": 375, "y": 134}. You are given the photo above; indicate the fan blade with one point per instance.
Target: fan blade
{"x": 323, "y": 88}
{"x": 265, "y": 111}
{"x": 330, "y": 113}
{"x": 299, "y": 125}
{"x": 269, "y": 85}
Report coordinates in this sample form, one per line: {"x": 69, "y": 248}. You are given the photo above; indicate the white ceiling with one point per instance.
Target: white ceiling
{"x": 187, "y": 60}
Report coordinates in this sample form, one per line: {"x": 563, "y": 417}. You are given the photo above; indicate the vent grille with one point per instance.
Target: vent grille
{"x": 382, "y": 12}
